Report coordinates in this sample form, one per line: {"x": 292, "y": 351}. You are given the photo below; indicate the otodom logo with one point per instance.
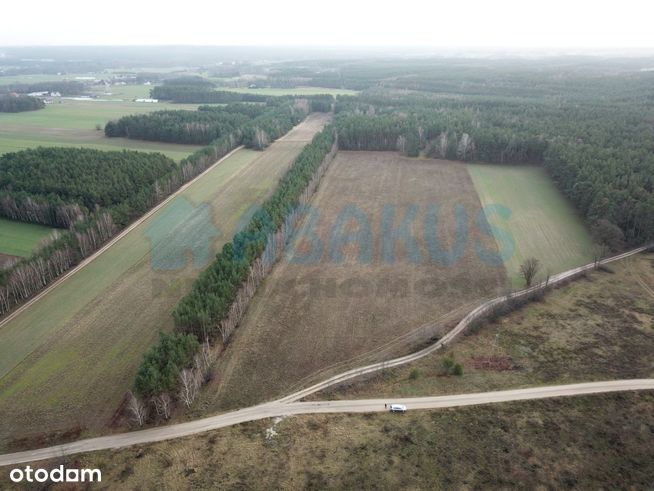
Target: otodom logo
{"x": 55, "y": 475}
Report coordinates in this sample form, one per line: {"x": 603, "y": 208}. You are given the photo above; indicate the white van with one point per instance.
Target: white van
{"x": 397, "y": 408}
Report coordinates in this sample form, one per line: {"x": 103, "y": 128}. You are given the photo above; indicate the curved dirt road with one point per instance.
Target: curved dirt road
{"x": 454, "y": 333}
{"x": 278, "y": 408}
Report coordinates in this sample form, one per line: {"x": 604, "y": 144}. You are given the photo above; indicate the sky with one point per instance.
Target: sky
{"x": 449, "y": 23}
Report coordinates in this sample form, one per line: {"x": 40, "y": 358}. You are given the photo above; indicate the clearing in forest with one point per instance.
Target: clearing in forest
{"x": 21, "y": 239}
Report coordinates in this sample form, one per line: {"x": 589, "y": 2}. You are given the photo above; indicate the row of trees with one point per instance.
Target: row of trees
{"x": 438, "y": 135}
{"x": 217, "y": 300}
{"x": 64, "y": 87}
{"x": 61, "y": 252}
{"x": 17, "y": 104}
{"x": 193, "y": 94}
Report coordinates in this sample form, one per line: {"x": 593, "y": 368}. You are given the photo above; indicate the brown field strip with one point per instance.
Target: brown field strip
{"x": 329, "y": 311}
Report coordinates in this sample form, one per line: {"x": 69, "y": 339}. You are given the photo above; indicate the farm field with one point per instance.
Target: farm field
{"x": 73, "y": 123}
{"x": 535, "y": 443}
{"x": 542, "y": 223}
{"x": 19, "y": 238}
{"x": 67, "y": 360}
{"x": 325, "y": 312}
{"x": 598, "y": 328}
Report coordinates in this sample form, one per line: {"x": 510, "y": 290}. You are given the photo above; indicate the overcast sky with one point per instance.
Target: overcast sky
{"x": 490, "y": 23}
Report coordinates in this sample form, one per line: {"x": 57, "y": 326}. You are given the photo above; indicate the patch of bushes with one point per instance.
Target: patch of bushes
{"x": 450, "y": 367}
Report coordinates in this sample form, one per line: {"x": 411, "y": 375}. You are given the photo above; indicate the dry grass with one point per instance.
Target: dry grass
{"x": 310, "y": 316}
{"x": 598, "y": 328}
{"x": 590, "y": 442}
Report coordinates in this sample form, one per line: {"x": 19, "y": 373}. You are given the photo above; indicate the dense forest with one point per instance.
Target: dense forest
{"x": 189, "y": 127}
{"x": 59, "y": 186}
{"x": 205, "y": 313}
{"x": 600, "y": 154}
{"x": 256, "y": 124}
{"x": 17, "y": 104}
{"x": 193, "y": 94}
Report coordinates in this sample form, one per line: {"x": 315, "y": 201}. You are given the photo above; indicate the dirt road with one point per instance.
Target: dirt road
{"x": 277, "y": 408}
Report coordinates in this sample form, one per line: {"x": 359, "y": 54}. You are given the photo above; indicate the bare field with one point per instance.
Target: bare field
{"x": 68, "y": 359}
{"x": 319, "y": 310}
{"x": 598, "y": 328}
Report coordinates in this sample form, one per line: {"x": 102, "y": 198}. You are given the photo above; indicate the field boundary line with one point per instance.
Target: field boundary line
{"x": 85, "y": 262}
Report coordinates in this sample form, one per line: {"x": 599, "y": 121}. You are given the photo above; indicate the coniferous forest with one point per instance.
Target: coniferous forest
{"x": 17, "y": 104}
{"x": 601, "y": 155}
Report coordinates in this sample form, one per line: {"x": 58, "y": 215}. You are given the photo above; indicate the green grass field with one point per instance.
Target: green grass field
{"x": 73, "y": 123}
{"x": 69, "y": 358}
{"x": 20, "y": 239}
{"x": 542, "y": 223}
{"x": 293, "y": 91}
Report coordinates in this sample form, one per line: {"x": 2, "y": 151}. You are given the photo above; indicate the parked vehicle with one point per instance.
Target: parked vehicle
{"x": 397, "y": 408}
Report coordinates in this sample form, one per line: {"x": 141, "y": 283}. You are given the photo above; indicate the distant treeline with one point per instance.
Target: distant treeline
{"x": 176, "y": 365}
{"x": 189, "y": 127}
{"x": 17, "y": 104}
{"x": 194, "y": 94}
{"x": 600, "y": 155}
{"x": 64, "y": 87}
{"x": 259, "y": 124}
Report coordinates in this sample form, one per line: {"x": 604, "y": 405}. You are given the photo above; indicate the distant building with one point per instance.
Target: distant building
{"x": 146, "y": 100}
{"x": 38, "y": 94}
